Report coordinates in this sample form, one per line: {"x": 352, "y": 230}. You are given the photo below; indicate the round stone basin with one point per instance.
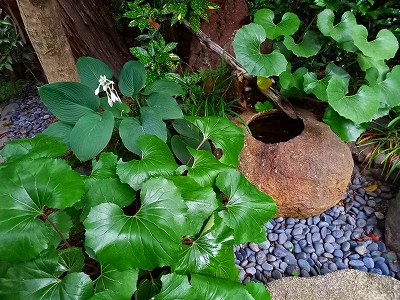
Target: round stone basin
{"x": 300, "y": 163}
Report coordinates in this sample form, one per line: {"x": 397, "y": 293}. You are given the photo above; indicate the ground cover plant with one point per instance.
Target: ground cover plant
{"x": 141, "y": 227}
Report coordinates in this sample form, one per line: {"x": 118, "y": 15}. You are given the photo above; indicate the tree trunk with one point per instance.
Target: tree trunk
{"x": 48, "y": 39}
{"x": 89, "y": 29}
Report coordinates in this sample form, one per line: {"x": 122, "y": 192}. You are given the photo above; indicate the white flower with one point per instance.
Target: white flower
{"x": 108, "y": 87}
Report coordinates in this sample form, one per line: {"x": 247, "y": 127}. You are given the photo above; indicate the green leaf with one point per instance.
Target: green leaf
{"x": 171, "y": 88}
{"x": 342, "y": 32}
{"x": 263, "y": 107}
{"x": 131, "y": 129}
{"x": 319, "y": 87}
{"x": 288, "y": 80}
{"x": 91, "y": 135}
{"x": 61, "y": 130}
{"x": 289, "y": 25}
{"x": 247, "y": 50}
{"x": 201, "y": 202}
{"x": 388, "y": 91}
{"x": 384, "y": 46}
{"x": 175, "y": 287}
{"x": 69, "y": 101}
{"x": 200, "y": 256}
{"x": 375, "y": 69}
{"x": 164, "y": 106}
{"x": 257, "y": 290}
{"x": 189, "y": 136}
{"x": 224, "y": 134}
{"x": 359, "y": 108}
{"x": 205, "y": 287}
{"x": 108, "y": 190}
{"x": 37, "y": 279}
{"x": 205, "y": 167}
{"x": 119, "y": 109}
{"x": 194, "y": 21}
{"x": 70, "y": 260}
{"x": 156, "y": 159}
{"x": 25, "y": 191}
{"x": 132, "y": 78}
{"x": 90, "y": 69}
{"x": 142, "y": 54}
{"x": 149, "y": 239}
{"x": 30, "y": 149}
{"x": 63, "y": 222}
{"x": 107, "y": 295}
{"x": 247, "y": 209}
{"x": 331, "y": 4}
{"x": 147, "y": 289}
{"x": 104, "y": 168}
{"x": 346, "y": 129}
{"x": 122, "y": 281}
{"x": 309, "y": 46}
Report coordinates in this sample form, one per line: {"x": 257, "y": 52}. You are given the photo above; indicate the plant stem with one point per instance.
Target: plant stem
{"x": 308, "y": 27}
{"x": 198, "y": 147}
{"x": 57, "y": 230}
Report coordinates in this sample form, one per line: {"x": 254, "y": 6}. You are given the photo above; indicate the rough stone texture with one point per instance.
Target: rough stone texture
{"x": 305, "y": 175}
{"x": 220, "y": 28}
{"x": 392, "y": 225}
{"x": 345, "y": 284}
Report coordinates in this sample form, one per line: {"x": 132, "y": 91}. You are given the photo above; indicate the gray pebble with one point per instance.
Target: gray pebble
{"x": 267, "y": 267}
{"x": 387, "y": 196}
{"x": 329, "y": 239}
{"x": 337, "y": 233}
{"x": 280, "y": 251}
{"x": 304, "y": 265}
{"x": 361, "y": 223}
{"x": 328, "y": 247}
{"x": 276, "y": 274}
{"x": 319, "y": 248}
{"x": 261, "y": 257}
{"x": 345, "y": 246}
{"x": 361, "y": 249}
{"x": 264, "y": 245}
{"x": 282, "y": 238}
{"x": 272, "y": 237}
{"x": 368, "y": 262}
{"x": 369, "y": 210}
{"x": 271, "y": 258}
{"x": 356, "y": 263}
{"x": 283, "y": 265}
{"x": 251, "y": 270}
{"x": 254, "y": 247}
{"x": 242, "y": 274}
{"x": 252, "y": 258}
{"x": 293, "y": 270}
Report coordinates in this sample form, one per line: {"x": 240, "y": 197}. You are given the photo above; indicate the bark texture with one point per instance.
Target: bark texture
{"x": 47, "y": 36}
{"x": 220, "y": 28}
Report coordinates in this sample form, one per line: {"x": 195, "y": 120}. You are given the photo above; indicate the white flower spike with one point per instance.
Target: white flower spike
{"x": 108, "y": 87}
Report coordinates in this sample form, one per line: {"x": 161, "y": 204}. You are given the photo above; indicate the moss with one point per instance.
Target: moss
{"x": 8, "y": 89}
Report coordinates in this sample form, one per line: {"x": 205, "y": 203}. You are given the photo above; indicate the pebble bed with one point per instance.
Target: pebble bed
{"x": 30, "y": 116}
{"x": 335, "y": 240}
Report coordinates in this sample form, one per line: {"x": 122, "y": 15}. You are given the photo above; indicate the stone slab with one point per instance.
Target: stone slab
{"x": 345, "y": 284}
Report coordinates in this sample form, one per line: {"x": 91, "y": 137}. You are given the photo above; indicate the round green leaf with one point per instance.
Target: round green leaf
{"x": 91, "y": 134}
{"x": 61, "y": 130}
{"x": 344, "y": 128}
{"x": 309, "y": 46}
{"x": 124, "y": 282}
{"x": 342, "y": 32}
{"x": 38, "y": 279}
{"x": 90, "y": 69}
{"x": 289, "y": 25}
{"x": 69, "y": 101}
{"x": 171, "y": 88}
{"x": 70, "y": 260}
{"x": 156, "y": 159}
{"x": 247, "y": 209}
{"x": 25, "y": 190}
{"x": 288, "y": 80}
{"x": 384, "y": 46}
{"x": 258, "y": 291}
{"x": 224, "y": 134}
{"x": 359, "y": 108}
{"x": 149, "y": 239}
{"x": 175, "y": 287}
{"x": 247, "y": 50}
{"x": 164, "y": 106}
{"x": 388, "y": 91}
{"x": 375, "y": 69}
{"x": 132, "y": 78}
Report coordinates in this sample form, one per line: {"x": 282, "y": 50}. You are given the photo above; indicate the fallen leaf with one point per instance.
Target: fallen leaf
{"x": 371, "y": 187}
{"x": 264, "y": 83}
{"x": 374, "y": 237}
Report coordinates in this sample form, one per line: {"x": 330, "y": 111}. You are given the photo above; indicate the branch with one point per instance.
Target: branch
{"x": 270, "y": 93}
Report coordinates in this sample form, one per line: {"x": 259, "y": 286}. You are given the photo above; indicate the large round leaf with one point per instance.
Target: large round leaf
{"x": 168, "y": 87}
{"x": 224, "y": 134}
{"x": 289, "y": 25}
{"x": 388, "y": 91}
{"x": 132, "y": 78}
{"x": 69, "y": 101}
{"x": 156, "y": 159}
{"x": 164, "y": 106}
{"x": 61, "y": 130}
{"x": 384, "y": 46}
{"x": 25, "y": 190}
{"x": 91, "y": 134}
{"x": 149, "y": 239}
{"x": 359, "y": 108}
{"x": 309, "y": 46}
{"x": 39, "y": 278}
{"x": 247, "y": 209}
{"x": 344, "y": 128}
{"x": 288, "y": 79}
{"x": 341, "y": 32}
{"x": 175, "y": 287}
{"x": 90, "y": 69}
{"x": 247, "y": 50}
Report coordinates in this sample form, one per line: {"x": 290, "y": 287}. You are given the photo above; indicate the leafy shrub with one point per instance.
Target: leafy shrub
{"x": 152, "y": 227}
{"x": 347, "y": 115}
{"x": 9, "y": 89}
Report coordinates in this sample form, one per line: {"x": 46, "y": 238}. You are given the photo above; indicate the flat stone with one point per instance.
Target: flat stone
{"x": 8, "y": 109}
{"x": 392, "y": 225}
